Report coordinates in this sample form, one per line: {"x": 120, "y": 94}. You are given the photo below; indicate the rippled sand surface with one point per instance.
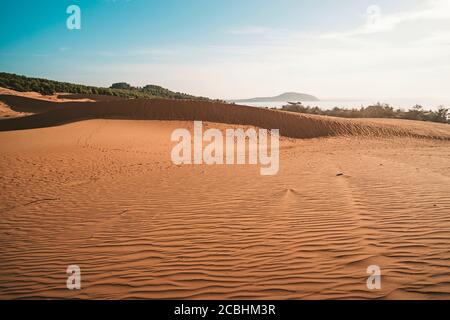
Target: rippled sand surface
{"x": 104, "y": 195}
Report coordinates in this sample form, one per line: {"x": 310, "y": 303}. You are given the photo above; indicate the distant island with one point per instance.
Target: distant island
{"x": 287, "y": 96}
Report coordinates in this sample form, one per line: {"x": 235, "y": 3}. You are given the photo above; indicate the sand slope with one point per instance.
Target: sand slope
{"x": 14, "y": 104}
{"x": 104, "y": 195}
{"x": 50, "y": 113}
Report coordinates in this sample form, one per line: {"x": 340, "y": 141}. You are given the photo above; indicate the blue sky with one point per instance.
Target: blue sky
{"x": 228, "y": 49}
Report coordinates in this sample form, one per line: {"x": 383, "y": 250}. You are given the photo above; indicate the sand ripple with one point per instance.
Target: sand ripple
{"x": 103, "y": 195}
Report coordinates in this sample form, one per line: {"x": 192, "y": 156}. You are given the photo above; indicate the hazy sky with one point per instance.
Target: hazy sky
{"x": 237, "y": 48}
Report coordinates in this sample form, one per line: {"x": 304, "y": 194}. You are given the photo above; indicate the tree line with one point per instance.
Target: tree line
{"x": 378, "y": 110}
{"x": 121, "y": 89}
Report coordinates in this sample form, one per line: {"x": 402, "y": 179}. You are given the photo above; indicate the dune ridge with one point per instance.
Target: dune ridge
{"x": 292, "y": 125}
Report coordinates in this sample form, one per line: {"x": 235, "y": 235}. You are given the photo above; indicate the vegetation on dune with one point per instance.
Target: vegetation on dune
{"x": 376, "y": 111}
{"x": 121, "y": 85}
{"x": 121, "y": 89}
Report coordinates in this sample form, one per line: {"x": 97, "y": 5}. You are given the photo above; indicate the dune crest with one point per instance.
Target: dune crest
{"x": 49, "y": 113}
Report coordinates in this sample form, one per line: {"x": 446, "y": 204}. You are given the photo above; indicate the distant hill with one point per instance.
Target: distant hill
{"x": 121, "y": 89}
{"x": 287, "y": 96}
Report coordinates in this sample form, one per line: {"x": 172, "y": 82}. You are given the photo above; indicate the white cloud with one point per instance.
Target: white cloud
{"x": 377, "y": 21}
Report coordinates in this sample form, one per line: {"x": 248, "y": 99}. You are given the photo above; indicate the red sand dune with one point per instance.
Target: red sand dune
{"x": 290, "y": 124}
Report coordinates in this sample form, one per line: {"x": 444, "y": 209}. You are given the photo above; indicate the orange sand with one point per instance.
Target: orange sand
{"x": 104, "y": 195}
